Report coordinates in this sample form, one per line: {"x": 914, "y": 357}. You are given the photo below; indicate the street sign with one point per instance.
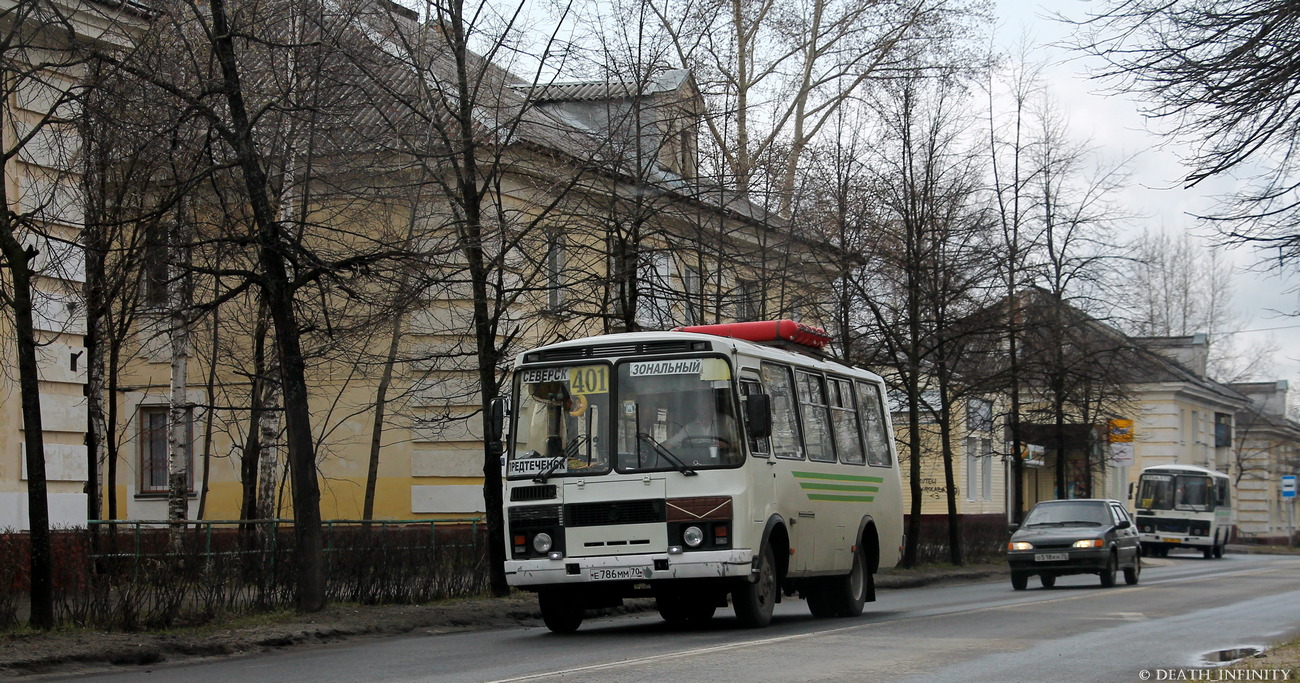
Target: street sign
{"x": 1288, "y": 486}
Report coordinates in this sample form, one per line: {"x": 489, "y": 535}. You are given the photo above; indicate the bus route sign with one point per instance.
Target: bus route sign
{"x": 1288, "y": 486}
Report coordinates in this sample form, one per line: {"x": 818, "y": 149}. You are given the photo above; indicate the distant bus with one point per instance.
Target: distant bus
{"x": 696, "y": 466}
{"x": 1184, "y": 506}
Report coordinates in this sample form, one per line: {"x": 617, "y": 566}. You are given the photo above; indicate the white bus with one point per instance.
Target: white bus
{"x": 1184, "y": 506}
{"x": 696, "y": 465}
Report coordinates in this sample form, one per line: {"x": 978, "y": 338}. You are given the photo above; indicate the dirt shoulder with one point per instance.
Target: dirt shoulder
{"x": 32, "y": 654}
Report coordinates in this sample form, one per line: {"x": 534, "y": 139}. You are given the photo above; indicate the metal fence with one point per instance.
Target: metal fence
{"x": 126, "y": 574}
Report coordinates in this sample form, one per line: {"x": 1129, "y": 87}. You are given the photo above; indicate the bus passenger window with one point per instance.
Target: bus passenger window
{"x": 872, "y": 413}
{"x": 848, "y": 440}
{"x": 785, "y": 425}
{"x": 761, "y": 447}
{"x": 818, "y": 440}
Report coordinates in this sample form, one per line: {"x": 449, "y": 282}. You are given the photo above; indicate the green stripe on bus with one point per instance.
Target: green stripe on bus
{"x": 855, "y": 499}
{"x": 838, "y": 477}
{"x": 812, "y": 485}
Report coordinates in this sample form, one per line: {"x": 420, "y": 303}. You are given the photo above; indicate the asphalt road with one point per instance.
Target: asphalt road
{"x": 1183, "y": 608}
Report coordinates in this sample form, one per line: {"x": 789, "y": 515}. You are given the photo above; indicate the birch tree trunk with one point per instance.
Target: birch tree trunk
{"x": 178, "y": 422}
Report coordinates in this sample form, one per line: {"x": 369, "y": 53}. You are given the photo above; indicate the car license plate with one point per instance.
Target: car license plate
{"x": 1051, "y": 557}
{"x": 1172, "y": 540}
{"x": 618, "y": 573}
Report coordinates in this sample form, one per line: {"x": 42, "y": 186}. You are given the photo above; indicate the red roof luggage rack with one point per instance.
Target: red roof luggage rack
{"x": 766, "y": 331}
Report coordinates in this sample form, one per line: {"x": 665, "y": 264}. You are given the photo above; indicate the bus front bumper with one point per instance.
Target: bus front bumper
{"x": 1178, "y": 540}
{"x": 709, "y": 564}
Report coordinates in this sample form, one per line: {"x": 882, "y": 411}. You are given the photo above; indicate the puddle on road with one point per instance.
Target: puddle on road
{"x": 1230, "y": 655}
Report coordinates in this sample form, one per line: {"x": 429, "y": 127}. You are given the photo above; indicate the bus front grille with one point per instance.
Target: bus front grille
{"x": 543, "y": 492}
{"x": 1172, "y": 526}
{"x": 613, "y": 513}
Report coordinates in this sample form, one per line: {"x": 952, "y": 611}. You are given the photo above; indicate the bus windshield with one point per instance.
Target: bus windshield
{"x": 676, "y": 414}
{"x": 561, "y": 421}
{"x": 1175, "y": 492}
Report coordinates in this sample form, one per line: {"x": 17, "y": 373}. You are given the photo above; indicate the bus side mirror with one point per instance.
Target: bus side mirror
{"x": 758, "y": 415}
{"x": 496, "y": 419}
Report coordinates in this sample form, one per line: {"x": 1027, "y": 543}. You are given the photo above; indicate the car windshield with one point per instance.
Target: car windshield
{"x": 561, "y": 423}
{"x": 1174, "y": 492}
{"x": 677, "y": 415}
{"x": 1068, "y": 514}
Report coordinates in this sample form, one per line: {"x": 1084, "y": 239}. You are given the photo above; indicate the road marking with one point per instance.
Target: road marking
{"x": 682, "y": 654}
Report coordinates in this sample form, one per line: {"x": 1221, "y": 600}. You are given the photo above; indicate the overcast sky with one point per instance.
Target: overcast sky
{"x": 1114, "y": 125}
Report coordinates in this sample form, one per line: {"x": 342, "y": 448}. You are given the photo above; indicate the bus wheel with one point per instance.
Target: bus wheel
{"x": 560, "y": 612}
{"x": 1208, "y": 552}
{"x": 755, "y": 600}
{"x": 846, "y": 595}
{"x": 1218, "y": 550}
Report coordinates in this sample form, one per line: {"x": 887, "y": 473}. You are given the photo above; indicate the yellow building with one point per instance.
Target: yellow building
{"x": 697, "y": 252}
{"x": 41, "y": 184}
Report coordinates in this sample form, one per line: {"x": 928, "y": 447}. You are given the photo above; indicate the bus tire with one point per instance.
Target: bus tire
{"x": 1208, "y": 552}
{"x": 1219, "y": 550}
{"x": 846, "y": 595}
{"x": 560, "y": 612}
{"x": 755, "y": 600}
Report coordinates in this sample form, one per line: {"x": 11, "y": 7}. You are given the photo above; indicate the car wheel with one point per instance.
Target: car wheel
{"x": 1131, "y": 574}
{"x": 1108, "y": 574}
{"x": 560, "y": 612}
{"x": 1048, "y": 580}
{"x": 1019, "y": 581}
{"x": 755, "y": 600}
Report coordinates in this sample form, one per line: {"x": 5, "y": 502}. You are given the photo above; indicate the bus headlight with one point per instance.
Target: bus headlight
{"x": 693, "y": 536}
{"x": 542, "y": 542}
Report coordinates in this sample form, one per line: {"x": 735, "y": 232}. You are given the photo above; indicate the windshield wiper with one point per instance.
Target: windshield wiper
{"x": 1080, "y": 521}
{"x": 663, "y": 451}
{"x": 570, "y": 449}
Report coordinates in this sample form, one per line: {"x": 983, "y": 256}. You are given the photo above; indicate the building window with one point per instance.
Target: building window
{"x": 972, "y": 467}
{"x": 153, "y": 450}
{"x": 747, "y": 300}
{"x": 979, "y": 415}
{"x": 653, "y": 284}
{"x": 554, "y": 271}
{"x": 986, "y": 469}
{"x": 1222, "y": 430}
{"x": 691, "y": 286}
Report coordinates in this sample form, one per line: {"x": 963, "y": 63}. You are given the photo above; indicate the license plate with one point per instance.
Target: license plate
{"x": 618, "y": 573}
{"x": 1172, "y": 540}
{"x": 1051, "y": 557}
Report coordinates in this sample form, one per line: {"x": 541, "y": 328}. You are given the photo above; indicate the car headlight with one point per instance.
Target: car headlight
{"x": 1020, "y": 545}
{"x": 693, "y": 536}
{"x": 542, "y": 542}
{"x": 1090, "y": 543}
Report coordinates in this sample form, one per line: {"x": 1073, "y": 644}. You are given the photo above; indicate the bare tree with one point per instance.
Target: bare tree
{"x": 1214, "y": 76}
{"x": 1177, "y": 286}
{"x": 778, "y": 72}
